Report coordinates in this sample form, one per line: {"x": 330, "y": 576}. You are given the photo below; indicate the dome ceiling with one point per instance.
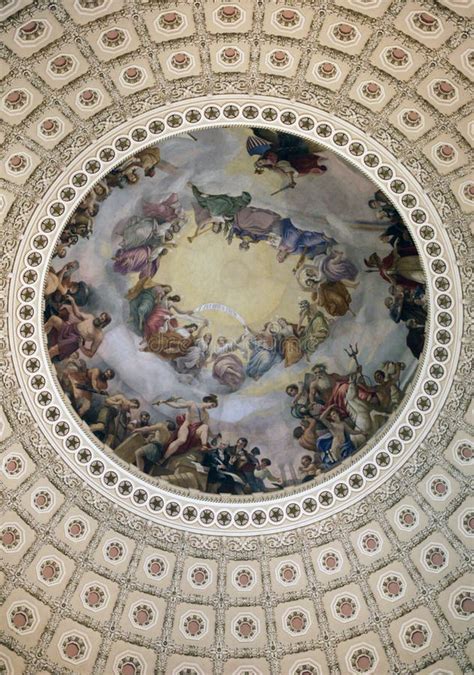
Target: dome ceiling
{"x": 209, "y": 366}
{"x": 122, "y": 116}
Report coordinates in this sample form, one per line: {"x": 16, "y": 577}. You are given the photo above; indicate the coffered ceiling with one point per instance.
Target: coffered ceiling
{"x": 91, "y": 584}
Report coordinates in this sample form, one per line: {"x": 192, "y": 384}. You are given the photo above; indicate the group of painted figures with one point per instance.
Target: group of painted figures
{"x": 335, "y": 413}
{"x": 81, "y": 224}
{"x": 338, "y": 413}
{"x": 181, "y": 336}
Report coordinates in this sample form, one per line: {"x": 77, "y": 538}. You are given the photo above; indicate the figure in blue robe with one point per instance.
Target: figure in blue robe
{"x": 305, "y": 243}
{"x": 264, "y": 354}
{"x": 324, "y": 445}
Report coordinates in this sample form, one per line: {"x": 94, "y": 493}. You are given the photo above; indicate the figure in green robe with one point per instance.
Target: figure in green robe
{"x": 221, "y": 206}
{"x": 142, "y": 298}
{"x": 316, "y": 329}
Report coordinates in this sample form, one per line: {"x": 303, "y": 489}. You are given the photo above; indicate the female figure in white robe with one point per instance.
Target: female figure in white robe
{"x": 228, "y": 368}
{"x": 196, "y": 357}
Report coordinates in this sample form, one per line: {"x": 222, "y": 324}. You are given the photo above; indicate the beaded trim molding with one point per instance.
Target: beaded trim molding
{"x": 191, "y": 510}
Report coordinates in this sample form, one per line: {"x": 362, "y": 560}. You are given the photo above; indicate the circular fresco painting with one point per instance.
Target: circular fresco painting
{"x": 236, "y": 311}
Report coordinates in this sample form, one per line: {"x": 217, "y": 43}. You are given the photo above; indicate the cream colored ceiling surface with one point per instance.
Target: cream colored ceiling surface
{"x": 369, "y": 570}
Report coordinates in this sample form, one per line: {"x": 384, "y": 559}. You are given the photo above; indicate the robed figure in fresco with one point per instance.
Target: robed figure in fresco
{"x": 335, "y": 266}
{"x": 305, "y": 243}
{"x": 222, "y": 205}
{"x": 284, "y": 153}
{"x": 403, "y": 269}
{"x": 144, "y": 239}
{"x": 252, "y": 225}
{"x": 313, "y": 327}
{"x": 142, "y": 297}
{"x": 264, "y": 350}
{"x": 216, "y": 211}
{"x": 227, "y": 367}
